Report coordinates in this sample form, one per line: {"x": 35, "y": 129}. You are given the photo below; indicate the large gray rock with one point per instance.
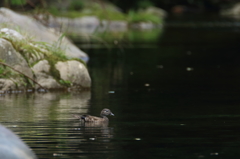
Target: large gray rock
{"x": 14, "y": 59}
{"x": 12, "y": 147}
{"x": 75, "y": 72}
{"x": 44, "y": 77}
{"x": 39, "y": 32}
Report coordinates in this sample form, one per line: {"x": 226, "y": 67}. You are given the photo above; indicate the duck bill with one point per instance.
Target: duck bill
{"x": 112, "y": 114}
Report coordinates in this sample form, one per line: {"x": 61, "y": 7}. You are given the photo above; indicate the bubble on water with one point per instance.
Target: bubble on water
{"x": 137, "y": 138}
{"x": 189, "y": 69}
{"x": 57, "y": 154}
{"x": 214, "y": 153}
{"x": 160, "y": 66}
{"x": 146, "y": 84}
{"x": 189, "y": 53}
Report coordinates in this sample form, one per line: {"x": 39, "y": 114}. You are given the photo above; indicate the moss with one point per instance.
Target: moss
{"x": 65, "y": 83}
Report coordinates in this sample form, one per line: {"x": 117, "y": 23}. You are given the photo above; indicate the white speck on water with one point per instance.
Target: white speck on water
{"x": 182, "y": 124}
{"x": 189, "y": 69}
{"x": 57, "y": 154}
{"x": 138, "y": 139}
{"x": 147, "y": 85}
{"x": 214, "y": 153}
{"x": 160, "y": 66}
{"x": 111, "y": 91}
{"x": 189, "y": 53}
{"x": 92, "y": 138}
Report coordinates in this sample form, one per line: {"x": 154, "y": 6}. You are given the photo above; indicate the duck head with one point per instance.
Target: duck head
{"x": 106, "y": 112}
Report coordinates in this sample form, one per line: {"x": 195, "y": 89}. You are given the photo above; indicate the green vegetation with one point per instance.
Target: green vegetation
{"x": 4, "y": 72}
{"x": 101, "y": 14}
{"x": 144, "y": 4}
{"x": 15, "y": 2}
{"x": 65, "y": 83}
{"x": 136, "y": 17}
{"x": 106, "y": 12}
{"x": 76, "y": 5}
{"x": 131, "y": 17}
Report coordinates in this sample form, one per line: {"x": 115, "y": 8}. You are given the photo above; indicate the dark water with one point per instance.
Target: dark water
{"x": 177, "y": 98}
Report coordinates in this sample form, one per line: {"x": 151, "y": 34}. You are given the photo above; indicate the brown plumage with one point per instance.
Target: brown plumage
{"x": 103, "y": 116}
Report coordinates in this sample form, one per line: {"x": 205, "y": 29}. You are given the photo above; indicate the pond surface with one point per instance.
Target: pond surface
{"x": 177, "y": 98}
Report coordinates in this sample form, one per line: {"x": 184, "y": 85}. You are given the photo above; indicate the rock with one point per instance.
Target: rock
{"x": 7, "y": 84}
{"x": 75, "y": 72}
{"x": 85, "y": 26}
{"x": 14, "y": 59}
{"x": 12, "y": 34}
{"x": 75, "y": 26}
{"x": 39, "y": 32}
{"x": 12, "y": 147}
{"x": 44, "y": 77}
{"x": 233, "y": 11}
{"x": 156, "y": 11}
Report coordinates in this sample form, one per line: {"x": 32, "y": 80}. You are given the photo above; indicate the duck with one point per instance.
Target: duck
{"x": 103, "y": 116}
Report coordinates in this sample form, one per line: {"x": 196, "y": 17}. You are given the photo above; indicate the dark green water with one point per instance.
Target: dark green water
{"x": 177, "y": 98}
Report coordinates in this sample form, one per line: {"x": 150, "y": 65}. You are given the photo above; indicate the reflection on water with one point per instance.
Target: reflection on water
{"x": 45, "y": 123}
{"x": 42, "y": 106}
{"x": 120, "y": 40}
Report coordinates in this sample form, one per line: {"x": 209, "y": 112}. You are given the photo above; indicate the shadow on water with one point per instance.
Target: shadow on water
{"x": 178, "y": 98}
